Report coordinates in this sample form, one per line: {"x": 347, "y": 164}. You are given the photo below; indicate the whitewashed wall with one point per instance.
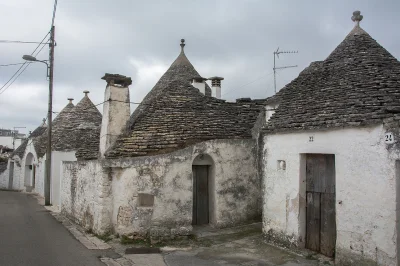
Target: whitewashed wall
{"x": 29, "y": 150}
{"x": 56, "y": 174}
{"x": 365, "y": 186}
{"x": 18, "y": 177}
{"x": 40, "y": 175}
{"x": 4, "y": 177}
{"x": 169, "y": 178}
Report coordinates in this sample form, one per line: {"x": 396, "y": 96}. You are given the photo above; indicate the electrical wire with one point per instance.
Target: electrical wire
{"x": 8, "y": 41}
{"x": 15, "y": 64}
{"x": 27, "y": 64}
{"x": 4, "y": 88}
{"x": 251, "y": 82}
{"x": 109, "y": 100}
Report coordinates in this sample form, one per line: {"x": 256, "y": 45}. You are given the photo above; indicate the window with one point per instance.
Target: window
{"x": 146, "y": 200}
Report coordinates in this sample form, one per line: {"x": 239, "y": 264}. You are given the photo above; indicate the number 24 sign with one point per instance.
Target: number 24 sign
{"x": 389, "y": 138}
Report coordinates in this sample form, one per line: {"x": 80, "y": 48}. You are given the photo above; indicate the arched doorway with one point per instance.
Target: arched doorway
{"x": 203, "y": 190}
{"x": 30, "y": 172}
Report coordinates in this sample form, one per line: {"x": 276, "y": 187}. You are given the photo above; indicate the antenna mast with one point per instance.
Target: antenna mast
{"x": 276, "y": 54}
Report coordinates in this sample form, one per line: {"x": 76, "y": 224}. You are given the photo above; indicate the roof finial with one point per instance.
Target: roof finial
{"x": 182, "y": 44}
{"x": 357, "y": 17}
{"x": 44, "y": 121}
{"x": 70, "y": 100}
{"x": 86, "y": 92}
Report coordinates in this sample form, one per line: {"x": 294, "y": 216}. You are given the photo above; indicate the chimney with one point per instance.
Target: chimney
{"x": 216, "y": 87}
{"x": 116, "y": 110}
{"x": 200, "y": 84}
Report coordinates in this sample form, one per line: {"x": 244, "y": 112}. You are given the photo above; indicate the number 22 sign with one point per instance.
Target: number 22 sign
{"x": 389, "y": 138}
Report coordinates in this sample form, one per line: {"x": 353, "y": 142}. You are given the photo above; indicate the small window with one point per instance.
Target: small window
{"x": 281, "y": 165}
{"x": 146, "y": 200}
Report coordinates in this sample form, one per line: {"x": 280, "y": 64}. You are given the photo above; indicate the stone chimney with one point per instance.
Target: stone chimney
{"x": 200, "y": 84}
{"x": 216, "y": 87}
{"x": 116, "y": 110}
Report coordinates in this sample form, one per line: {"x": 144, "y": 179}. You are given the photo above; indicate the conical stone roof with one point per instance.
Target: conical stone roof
{"x": 86, "y": 129}
{"x": 34, "y": 136}
{"x": 181, "y": 116}
{"x": 74, "y": 128}
{"x": 357, "y": 84}
{"x": 181, "y": 70}
{"x": 175, "y": 115}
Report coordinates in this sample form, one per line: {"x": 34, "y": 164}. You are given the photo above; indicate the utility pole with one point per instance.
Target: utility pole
{"x": 47, "y": 182}
{"x": 276, "y": 54}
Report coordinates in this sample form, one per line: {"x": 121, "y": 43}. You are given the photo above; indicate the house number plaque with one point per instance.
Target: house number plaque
{"x": 389, "y": 138}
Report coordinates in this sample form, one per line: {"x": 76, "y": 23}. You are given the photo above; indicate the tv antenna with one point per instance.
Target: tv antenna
{"x": 276, "y": 54}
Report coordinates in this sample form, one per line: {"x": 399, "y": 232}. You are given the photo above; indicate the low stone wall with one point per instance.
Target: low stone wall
{"x": 4, "y": 176}
{"x": 85, "y": 196}
{"x": 95, "y": 189}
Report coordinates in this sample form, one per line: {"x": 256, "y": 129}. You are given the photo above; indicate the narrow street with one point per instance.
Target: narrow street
{"x": 31, "y": 236}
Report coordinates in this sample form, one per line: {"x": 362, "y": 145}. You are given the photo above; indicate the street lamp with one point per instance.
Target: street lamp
{"x": 50, "y": 67}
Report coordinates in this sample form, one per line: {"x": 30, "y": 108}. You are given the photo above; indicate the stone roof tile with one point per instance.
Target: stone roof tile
{"x": 180, "y": 116}
{"x": 75, "y": 128}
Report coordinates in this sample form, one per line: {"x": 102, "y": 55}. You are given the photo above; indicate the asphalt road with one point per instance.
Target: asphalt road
{"x": 30, "y": 235}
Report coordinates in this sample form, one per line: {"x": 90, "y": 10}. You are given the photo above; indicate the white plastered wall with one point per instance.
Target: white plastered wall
{"x": 365, "y": 188}
{"x": 30, "y": 148}
{"x": 56, "y": 174}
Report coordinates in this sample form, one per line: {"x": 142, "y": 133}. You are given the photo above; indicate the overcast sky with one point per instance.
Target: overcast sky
{"x": 229, "y": 38}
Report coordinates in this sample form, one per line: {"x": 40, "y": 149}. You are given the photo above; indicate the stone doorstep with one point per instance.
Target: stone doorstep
{"x": 208, "y": 231}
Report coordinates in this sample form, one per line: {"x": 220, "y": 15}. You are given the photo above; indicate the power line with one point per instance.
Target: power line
{"x": 109, "y": 100}
{"x": 24, "y": 64}
{"x": 8, "y": 41}
{"x": 22, "y": 70}
{"x": 251, "y": 82}
{"x": 15, "y": 64}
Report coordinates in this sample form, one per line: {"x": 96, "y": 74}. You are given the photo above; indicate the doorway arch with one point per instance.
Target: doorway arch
{"x": 30, "y": 171}
{"x": 203, "y": 190}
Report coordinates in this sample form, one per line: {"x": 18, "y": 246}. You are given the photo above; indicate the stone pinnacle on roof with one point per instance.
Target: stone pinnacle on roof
{"x": 357, "y": 17}
{"x": 86, "y": 92}
{"x": 70, "y": 100}
{"x": 182, "y": 45}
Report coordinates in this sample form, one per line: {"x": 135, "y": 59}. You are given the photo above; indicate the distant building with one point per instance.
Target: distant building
{"x": 11, "y": 138}
{"x": 73, "y": 128}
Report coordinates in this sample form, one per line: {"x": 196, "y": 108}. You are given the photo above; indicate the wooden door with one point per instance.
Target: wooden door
{"x": 321, "y": 216}
{"x": 200, "y": 194}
